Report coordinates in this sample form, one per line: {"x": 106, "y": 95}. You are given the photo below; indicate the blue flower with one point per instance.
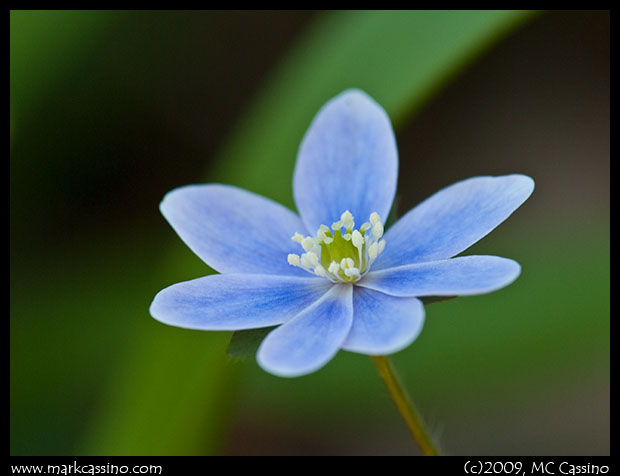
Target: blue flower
{"x": 325, "y": 281}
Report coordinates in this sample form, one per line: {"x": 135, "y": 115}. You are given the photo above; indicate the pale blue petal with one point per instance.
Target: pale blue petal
{"x": 462, "y": 276}
{"x": 234, "y": 301}
{"x": 312, "y": 338}
{"x": 347, "y": 161}
{"x": 383, "y": 324}
{"x": 233, "y": 230}
{"x": 453, "y": 219}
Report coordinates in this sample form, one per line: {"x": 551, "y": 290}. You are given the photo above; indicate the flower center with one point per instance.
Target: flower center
{"x": 342, "y": 253}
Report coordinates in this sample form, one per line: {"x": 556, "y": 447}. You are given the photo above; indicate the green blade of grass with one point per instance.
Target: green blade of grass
{"x": 400, "y": 58}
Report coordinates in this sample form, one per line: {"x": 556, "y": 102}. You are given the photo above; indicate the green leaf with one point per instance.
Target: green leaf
{"x": 244, "y": 344}
{"x": 44, "y": 44}
{"x": 174, "y": 398}
{"x": 401, "y": 58}
{"x": 433, "y": 299}
{"x": 172, "y": 394}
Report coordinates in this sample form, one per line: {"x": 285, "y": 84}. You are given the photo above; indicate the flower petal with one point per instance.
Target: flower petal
{"x": 453, "y": 219}
{"x": 347, "y": 161}
{"x": 236, "y": 301}
{"x": 312, "y": 338}
{"x": 233, "y": 230}
{"x": 383, "y": 324}
{"x": 466, "y": 275}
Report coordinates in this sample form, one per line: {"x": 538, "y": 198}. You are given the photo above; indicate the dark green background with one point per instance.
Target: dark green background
{"x": 110, "y": 110}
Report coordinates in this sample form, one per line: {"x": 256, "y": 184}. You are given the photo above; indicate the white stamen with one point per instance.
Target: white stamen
{"x": 377, "y": 230}
{"x": 352, "y": 272}
{"x": 293, "y": 259}
{"x": 346, "y": 216}
{"x": 347, "y": 220}
{"x": 307, "y": 243}
{"x": 309, "y": 260}
{"x": 381, "y": 246}
{"x": 374, "y": 218}
{"x": 297, "y": 237}
{"x": 320, "y": 271}
{"x": 347, "y": 236}
{"x": 357, "y": 239}
{"x": 373, "y": 251}
{"x": 337, "y": 225}
{"x": 333, "y": 268}
{"x": 346, "y": 263}
{"x": 365, "y": 227}
{"x": 323, "y": 234}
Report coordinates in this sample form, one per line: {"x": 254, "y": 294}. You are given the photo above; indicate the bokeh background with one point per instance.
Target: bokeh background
{"x": 110, "y": 110}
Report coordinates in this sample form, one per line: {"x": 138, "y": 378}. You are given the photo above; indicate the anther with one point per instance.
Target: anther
{"x": 347, "y": 220}
{"x": 309, "y": 260}
{"x": 307, "y": 243}
{"x": 333, "y": 268}
{"x": 320, "y": 271}
{"x": 377, "y": 230}
{"x": 347, "y": 263}
{"x": 293, "y": 259}
{"x": 381, "y": 246}
{"x": 357, "y": 239}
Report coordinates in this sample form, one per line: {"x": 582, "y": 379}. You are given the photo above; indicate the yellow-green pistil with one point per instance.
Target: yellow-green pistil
{"x": 342, "y": 253}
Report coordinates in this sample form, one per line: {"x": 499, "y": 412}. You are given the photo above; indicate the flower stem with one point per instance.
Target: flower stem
{"x": 405, "y": 406}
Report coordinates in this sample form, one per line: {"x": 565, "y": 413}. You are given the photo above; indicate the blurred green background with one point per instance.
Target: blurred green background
{"x": 110, "y": 110}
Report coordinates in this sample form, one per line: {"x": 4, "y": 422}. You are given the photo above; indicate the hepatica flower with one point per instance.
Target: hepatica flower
{"x": 332, "y": 277}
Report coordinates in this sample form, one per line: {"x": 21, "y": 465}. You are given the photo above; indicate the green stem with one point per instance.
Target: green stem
{"x": 405, "y": 406}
